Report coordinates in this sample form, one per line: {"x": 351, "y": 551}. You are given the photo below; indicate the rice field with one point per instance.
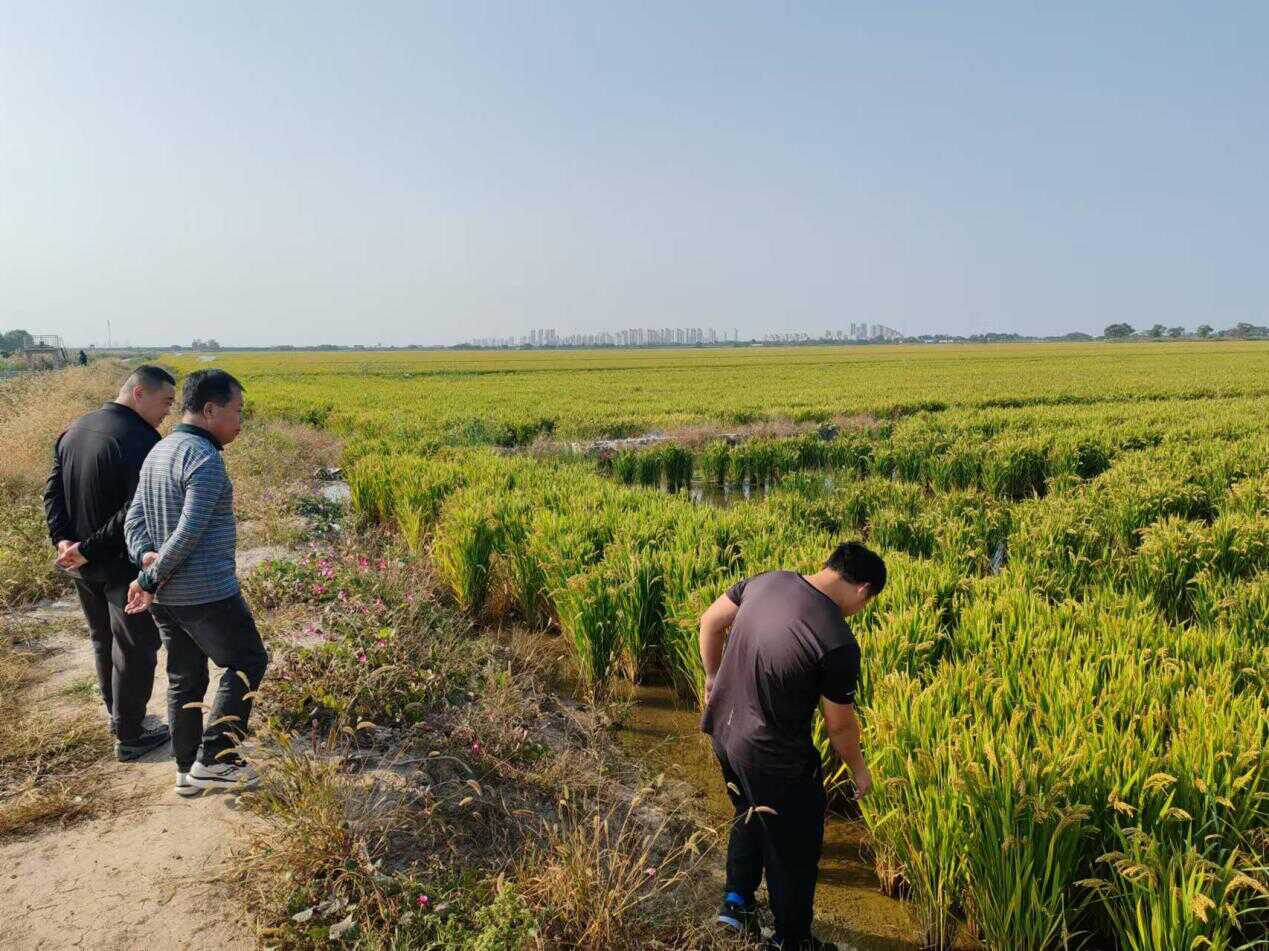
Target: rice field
{"x": 1064, "y": 690}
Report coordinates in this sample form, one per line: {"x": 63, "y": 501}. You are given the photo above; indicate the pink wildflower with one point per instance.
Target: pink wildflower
{"x": 650, "y": 872}
{"x": 424, "y": 901}
{"x": 361, "y": 657}
{"x": 319, "y": 589}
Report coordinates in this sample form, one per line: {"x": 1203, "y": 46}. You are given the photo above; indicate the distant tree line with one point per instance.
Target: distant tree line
{"x": 1241, "y": 331}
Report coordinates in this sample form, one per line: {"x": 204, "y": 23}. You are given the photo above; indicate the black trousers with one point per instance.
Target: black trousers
{"x": 125, "y": 649}
{"x": 784, "y": 844}
{"x": 225, "y": 632}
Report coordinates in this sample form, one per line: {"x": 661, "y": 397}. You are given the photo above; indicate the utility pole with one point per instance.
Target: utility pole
{"x": 107, "y": 335}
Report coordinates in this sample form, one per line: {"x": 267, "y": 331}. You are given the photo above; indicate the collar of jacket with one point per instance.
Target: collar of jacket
{"x": 113, "y": 407}
{"x": 197, "y": 431}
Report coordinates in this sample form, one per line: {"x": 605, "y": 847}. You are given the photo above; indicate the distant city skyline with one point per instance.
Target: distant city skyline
{"x": 677, "y": 336}
{"x": 422, "y": 173}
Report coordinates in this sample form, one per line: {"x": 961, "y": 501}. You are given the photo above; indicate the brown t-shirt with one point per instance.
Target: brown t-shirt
{"x": 788, "y": 646}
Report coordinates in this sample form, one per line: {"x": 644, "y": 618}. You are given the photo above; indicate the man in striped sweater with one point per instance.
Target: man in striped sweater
{"x": 180, "y": 529}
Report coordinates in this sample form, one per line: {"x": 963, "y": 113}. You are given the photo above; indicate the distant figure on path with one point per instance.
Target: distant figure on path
{"x": 96, "y": 464}
{"x": 183, "y": 511}
{"x": 789, "y": 649}
{"x": 82, "y": 359}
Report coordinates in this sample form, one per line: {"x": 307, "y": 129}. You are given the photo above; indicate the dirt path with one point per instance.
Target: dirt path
{"x": 141, "y": 877}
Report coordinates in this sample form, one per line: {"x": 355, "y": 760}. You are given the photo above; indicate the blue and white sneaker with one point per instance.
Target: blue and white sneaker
{"x": 739, "y": 915}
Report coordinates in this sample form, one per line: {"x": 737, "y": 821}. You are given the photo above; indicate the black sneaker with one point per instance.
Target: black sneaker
{"x": 150, "y": 721}
{"x": 810, "y": 944}
{"x": 150, "y": 738}
{"x": 742, "y": 919}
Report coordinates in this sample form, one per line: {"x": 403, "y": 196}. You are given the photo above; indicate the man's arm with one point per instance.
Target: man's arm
{"x": 714, "y": 624}
{"x": 60, "y": 528}
{"x": 136, "y": 535}
{"x": 843, "y": 733}
{"x": 202, "y": 491}
{"x": 108, "y": 540}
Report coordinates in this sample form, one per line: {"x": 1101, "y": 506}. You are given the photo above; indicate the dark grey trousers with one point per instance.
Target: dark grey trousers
{"x": 225, "y": 632}
{"x": 125, "y": 649}
{"x": 784, "y": 844}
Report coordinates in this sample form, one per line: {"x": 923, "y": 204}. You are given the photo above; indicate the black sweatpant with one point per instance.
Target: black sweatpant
{"x": 225, "y": 632}
{"x": 785, "y": 844}
{"x": 125, "y": 648}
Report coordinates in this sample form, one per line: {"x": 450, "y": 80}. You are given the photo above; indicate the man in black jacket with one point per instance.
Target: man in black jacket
{"x": 96, "y": 464}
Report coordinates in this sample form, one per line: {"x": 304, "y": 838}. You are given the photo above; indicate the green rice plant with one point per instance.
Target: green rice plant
{"x": 1083, "y": 457}
{"x": 852, "y": 454}
{"x": 1062, "y": 547}
{"x": 959, "y": 467}
{"x": 713, "y": 461}
{"x": 625, "y": 466}
{"x": 759, "y": 461}
{"x": 899, "y": 530}
{"x": 681, "y": 641}
{"x": 561, "y": 544}
{"x": 972, "y": 532}
{"x": 1016, "y": 469}
{"x": 589, "y": 609}
{"x": 412, "y": 524}
{"x": 1242, "y": 609}
{"x": 1166, "y": 566}
{"x": 639, "y": 588}
{"x": 1240, "y": 545}
{"x": 931, "y": 829}
{"x": 1159, "y": 896}
{"x": 676, "y": 464}
{"x": 373, "y": 488}
{"x": 1025, "y": 850}
{"x": 649, "y": 468}
{"x": 465, "y": 541}
{"x": 1249, "y": 497}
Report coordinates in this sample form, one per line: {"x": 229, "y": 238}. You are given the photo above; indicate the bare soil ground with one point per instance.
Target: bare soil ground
{"x": 143, "y": 874}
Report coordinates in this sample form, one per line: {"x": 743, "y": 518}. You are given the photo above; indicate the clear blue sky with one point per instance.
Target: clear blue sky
{"x": 355, "y": 173}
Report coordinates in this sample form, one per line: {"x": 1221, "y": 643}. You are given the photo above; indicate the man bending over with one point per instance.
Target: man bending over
{"x": 789, "y": 649}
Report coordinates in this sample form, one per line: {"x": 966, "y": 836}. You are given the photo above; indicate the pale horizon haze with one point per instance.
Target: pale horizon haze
{"x": 397, "y": 173}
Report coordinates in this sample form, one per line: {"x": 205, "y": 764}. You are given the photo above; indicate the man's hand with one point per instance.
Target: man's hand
{"x": 149, "y": 558}
{"x": 68, "y": 555}
{"x": 709, "y": 688}
{"x": 863, "y": 780}
{"x": 139, "y": 601}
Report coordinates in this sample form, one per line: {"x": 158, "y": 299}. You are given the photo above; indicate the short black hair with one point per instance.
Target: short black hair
{"x": 208, "y": 386}
{"x": 858, "y": 564}
{"x": 149, "y": 376}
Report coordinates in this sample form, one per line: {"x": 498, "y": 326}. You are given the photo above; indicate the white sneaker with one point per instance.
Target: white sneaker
{"x": 223, "y": 776}
{"x": 184, "y": 787}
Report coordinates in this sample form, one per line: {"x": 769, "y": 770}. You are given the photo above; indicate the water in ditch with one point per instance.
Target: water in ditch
{"x": 664, "y": 732}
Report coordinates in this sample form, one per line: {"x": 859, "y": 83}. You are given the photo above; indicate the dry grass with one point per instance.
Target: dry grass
{"x": 26, "y": 557}
{"x": 35, "y": 408}
{"x": 616, "y": 879}
{"x": 371, "y": 843}
{"x": 51, "y": 763}
{"x": 272, "y": 465}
